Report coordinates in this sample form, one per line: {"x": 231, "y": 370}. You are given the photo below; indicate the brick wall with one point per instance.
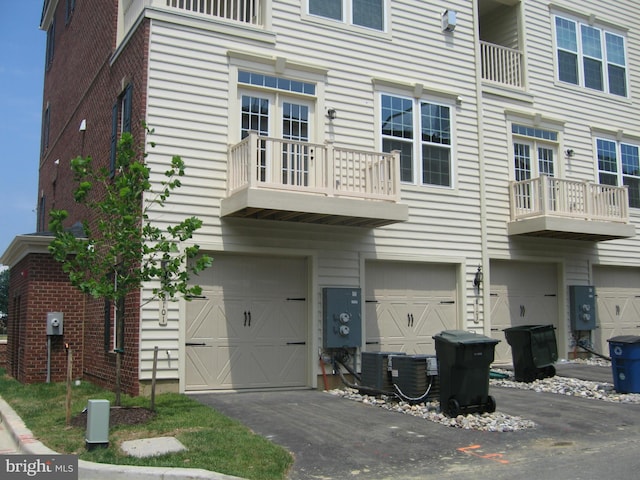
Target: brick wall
{"x": 3, "y": 354}
{"x": 38, "y": 286}
{"x": 82, "y": 83}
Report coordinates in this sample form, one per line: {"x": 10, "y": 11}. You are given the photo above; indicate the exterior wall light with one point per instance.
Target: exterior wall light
{"x": 477, "y": 279}
{"x": 331, "y": 113}
{"x": 449, "y": 20}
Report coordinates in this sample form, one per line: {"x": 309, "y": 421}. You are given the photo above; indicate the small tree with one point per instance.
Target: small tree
{"x": 122, "y": 249}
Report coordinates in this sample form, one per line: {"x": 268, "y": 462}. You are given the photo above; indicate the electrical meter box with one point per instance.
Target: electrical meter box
{"x": 582, "y": 309}
{"x": 342, "y": 317}
{"x": 54, "y": 323}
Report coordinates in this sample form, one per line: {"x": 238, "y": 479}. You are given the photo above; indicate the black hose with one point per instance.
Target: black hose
{"x": 361, "y": 388}
{"x": 590, "y": 350}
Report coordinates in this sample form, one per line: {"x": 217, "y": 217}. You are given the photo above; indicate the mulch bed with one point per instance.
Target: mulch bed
{"x": 119, "y": 416}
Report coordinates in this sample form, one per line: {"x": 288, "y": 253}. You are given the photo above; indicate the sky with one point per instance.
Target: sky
{"x": 22, "y": 46}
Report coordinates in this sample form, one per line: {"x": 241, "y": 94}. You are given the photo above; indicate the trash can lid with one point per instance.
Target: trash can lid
{"x": 463, "y": 337}
{"x": 625, "y": 339}
{"x": 529, "y": 328}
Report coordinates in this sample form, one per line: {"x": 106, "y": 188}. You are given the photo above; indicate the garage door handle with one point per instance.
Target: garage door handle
{"x": 296, "y": 343}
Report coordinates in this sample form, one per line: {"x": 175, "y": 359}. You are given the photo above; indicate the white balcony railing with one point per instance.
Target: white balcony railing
{"x": 244, "y": 11}
{"x": 569, "y": 199}
{"x": 501, "y": 64}
{"x": 273, "y": 163}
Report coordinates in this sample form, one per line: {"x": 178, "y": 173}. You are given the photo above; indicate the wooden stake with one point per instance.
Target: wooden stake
{"x": 69, "y": 379}
{"x": 153, "y": 378}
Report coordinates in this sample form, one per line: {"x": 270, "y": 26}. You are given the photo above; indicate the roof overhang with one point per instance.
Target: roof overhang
{"x": 23, "y": 245}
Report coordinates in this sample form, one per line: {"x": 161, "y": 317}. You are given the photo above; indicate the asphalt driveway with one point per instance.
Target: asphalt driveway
{"x": 334, "y": 438}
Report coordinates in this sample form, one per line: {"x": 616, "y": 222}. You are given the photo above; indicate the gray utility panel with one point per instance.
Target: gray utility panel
{"x": 342, "y": 317}
{"x": 582, "y": 299}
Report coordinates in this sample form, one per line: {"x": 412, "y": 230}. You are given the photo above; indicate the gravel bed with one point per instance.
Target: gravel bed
{"x": 497, "y": 421}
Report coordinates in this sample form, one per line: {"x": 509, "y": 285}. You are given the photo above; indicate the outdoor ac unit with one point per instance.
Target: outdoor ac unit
{"x": 375, "y": 371}
{"x": 415, "y": 375}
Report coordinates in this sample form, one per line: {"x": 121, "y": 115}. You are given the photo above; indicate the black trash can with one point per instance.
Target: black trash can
{"x": 464, "y": 359}
{"x": 534, "y": 351}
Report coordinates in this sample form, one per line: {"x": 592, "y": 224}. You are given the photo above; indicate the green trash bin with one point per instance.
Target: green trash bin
{"x": 464, "y": 359}
{"x": 534, "y": 351}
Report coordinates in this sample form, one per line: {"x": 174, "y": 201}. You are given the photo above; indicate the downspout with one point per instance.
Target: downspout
{"x": 483, "y": 315}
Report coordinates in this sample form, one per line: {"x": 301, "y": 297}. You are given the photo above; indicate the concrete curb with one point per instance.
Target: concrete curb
{"x": 29, "y": 445}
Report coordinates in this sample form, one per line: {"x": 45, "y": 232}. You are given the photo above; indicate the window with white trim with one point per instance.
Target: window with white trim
{"x": 421, "y": 131}
{"x": 590, "y": 57}
{"x": 534, "y": 152}
{"x": 619, "y": 164}
{"x": 362, "y": 13}
{"x": 284, "y": 109}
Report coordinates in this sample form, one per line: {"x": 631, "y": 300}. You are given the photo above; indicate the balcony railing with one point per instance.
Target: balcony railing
{"x": 549, "y": 196}
{"x": 244, "y": 11}
{"x": 501, "y": 64}
{"x": 322, "y": 169}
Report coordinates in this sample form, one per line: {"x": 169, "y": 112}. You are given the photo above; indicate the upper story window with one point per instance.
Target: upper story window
{"x": 534, "y": 152}
{"x": 120, "y": 122}
{"x": 279, "y": 83}
{"x": 46, "y": 126}
{"x": 590, "y": 57}
{"x": 421, "y": 131}
{"x": 362, "y": 13}
{"x": 68, "y": 12}
{"x": 619, "y": 164}
{"x": 51, "y": 36}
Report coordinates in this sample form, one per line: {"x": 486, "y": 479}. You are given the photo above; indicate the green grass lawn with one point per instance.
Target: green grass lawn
{"x": 213, "y": 441}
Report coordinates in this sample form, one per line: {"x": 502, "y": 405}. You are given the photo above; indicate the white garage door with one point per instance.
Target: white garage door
{"x": 618, "y": 304}
{"x": 249, "y": 329}
{"x": 522, "y": 293}
{"x": 406, "y": 304}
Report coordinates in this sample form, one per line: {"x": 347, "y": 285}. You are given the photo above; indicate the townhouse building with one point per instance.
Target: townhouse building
{"x": 457, "y": 164}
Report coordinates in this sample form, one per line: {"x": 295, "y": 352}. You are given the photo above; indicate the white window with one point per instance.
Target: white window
{"x": 275, "y": 111}
{"x": 363, "y": 13}
{"x": 590, "y": 57}
{"x": 619, "y": 164}
{"x": 421, "y": 131}
{"x": 534, "y": 152}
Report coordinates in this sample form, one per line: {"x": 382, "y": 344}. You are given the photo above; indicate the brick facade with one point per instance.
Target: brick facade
{"x": 38, "y": 286}
{"x": 83, "y": 82}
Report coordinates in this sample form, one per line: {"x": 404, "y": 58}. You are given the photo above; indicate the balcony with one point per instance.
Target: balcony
{"x": 555, "y": 208}
{"x": 287, "y": 180}
{"x": 501, "y": 65}
{"x": 243, "y": 11}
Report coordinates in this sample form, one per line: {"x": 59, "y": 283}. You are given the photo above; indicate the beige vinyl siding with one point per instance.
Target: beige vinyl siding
{"x": 580, "y": 110}
{"x": 188, "y": 106}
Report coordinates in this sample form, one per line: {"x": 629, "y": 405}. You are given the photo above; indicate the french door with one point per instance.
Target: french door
{"x": 288, "y": 122}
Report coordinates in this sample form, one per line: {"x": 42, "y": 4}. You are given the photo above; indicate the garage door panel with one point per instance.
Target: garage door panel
{"x": 408, "y": 303}
{"x": 250, "y": 324}
{"x": 521, "y": 293}
{"x": 617, "y": 304}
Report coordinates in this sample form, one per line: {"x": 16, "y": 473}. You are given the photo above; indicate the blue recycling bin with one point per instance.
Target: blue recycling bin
{"x": 625, "y": 363}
